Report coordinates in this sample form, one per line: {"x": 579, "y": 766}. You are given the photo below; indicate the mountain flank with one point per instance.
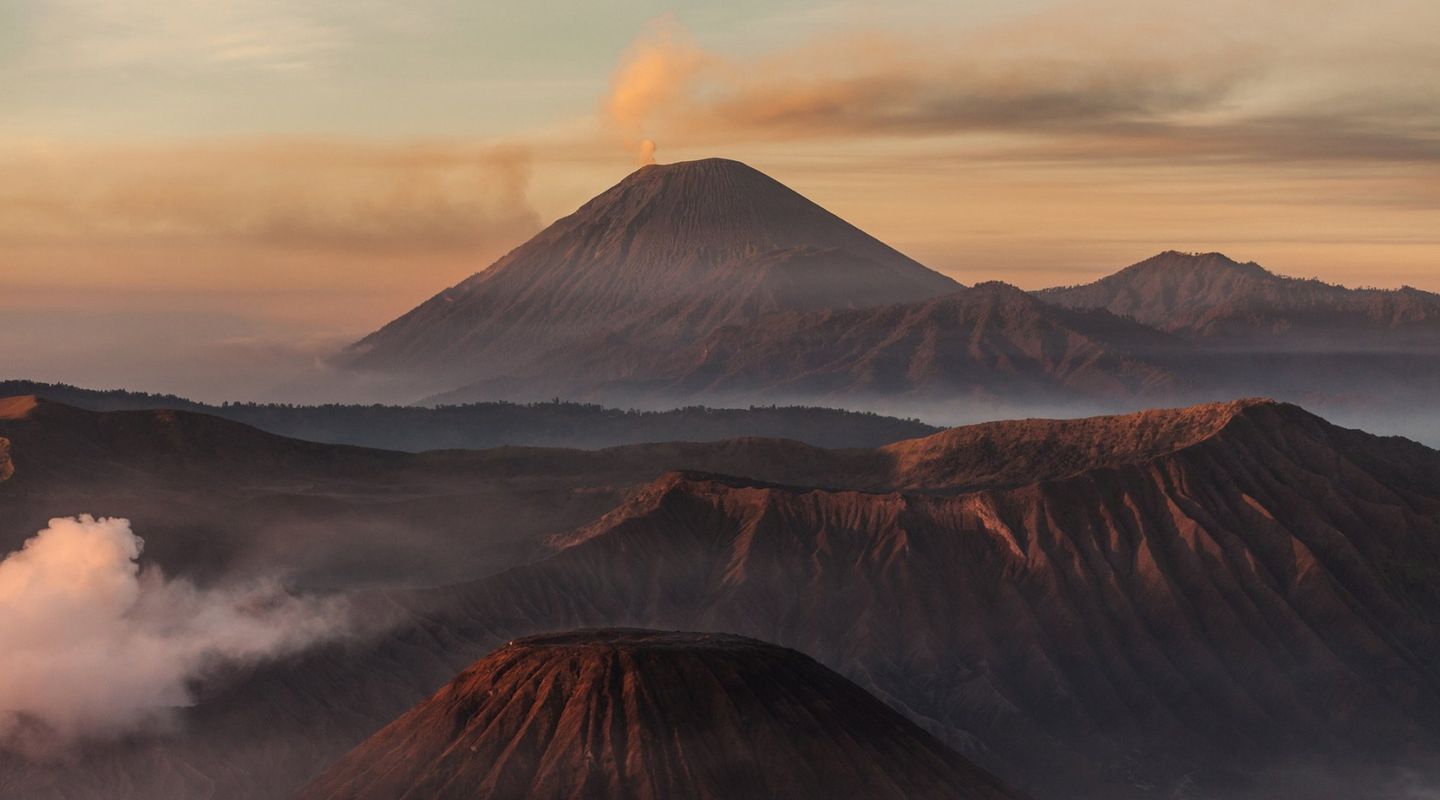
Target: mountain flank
{"x": 667, "y": 254}
{"x": 1210, "y": 296}
{"x": 651, "y": 715}
{"x": 1231, "y": 600}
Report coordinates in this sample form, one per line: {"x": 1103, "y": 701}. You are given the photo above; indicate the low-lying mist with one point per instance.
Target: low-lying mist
{"x": 96, "y": 645}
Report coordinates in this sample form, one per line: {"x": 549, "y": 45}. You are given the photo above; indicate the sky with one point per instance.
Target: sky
{"x": 198, "y": 194}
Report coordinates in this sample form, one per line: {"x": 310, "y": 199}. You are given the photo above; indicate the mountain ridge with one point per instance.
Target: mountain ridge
{"x": 475, "y": 426}
{"x": 1211, "y": 296}
{"x": 1219, "y": 595}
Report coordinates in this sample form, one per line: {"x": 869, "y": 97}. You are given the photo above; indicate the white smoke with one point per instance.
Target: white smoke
{"x": 92, "y": 645}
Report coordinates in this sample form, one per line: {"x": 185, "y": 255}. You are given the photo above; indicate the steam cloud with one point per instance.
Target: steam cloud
{"x": 94, "y": 645}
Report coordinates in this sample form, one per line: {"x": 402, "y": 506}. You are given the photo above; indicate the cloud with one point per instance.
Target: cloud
{"x": 1084, "y": 81}
{"x": 1046, "y": 74}
{"x": 96, "y": 645}
{"x": 124, "y": 34}
{"x": 652, "y": 76}
{"x": 272, "y": 190}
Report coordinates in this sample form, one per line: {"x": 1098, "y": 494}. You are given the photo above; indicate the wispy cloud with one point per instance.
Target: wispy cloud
{"x": 120, "y": 34}
{"x": 1096, "y": 80}
{"x": 279, "y": 191}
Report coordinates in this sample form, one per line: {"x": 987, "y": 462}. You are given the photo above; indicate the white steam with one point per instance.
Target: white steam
{"x": 92, "y": 645}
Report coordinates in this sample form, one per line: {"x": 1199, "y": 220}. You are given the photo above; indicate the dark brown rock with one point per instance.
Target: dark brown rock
{"x": 651, "y": 716}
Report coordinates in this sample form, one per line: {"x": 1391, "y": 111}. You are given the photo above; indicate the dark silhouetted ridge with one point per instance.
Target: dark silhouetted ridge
{"x": 477, "y": 426}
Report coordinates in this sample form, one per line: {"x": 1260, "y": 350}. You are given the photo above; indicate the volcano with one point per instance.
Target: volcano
{"x": 1232, "y": 600}
{"x": 1211, "y": 296}
{"x": 635, "y": 263}
{"x": 651, "y": 715}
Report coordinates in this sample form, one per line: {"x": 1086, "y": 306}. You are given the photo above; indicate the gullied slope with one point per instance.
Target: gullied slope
{"x": 1259, "y": 600}
{"x": 649, "y": 715}
{"x": 1227, "y": 601}
{"x": 666, "y": 236}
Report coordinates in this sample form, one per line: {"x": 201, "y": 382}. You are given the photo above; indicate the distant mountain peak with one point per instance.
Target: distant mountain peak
{"x": 1211, "y": 295}
{"x": 1179, "y": 265}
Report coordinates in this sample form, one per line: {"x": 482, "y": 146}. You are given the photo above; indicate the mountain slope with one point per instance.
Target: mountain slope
{"x": 666, "y": 236}
{"x": 1210, "y": 296}
{"x": 213, "y": 496}
{"x": 991, "y": 341}
{"x": 642, "y": 714}
{"x": 1259, "y": 598}
{"x": 1225, "y": 601}
{"x": 1368, "y": 357}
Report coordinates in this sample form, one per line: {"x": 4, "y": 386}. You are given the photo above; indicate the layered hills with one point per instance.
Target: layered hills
{"x": 1223, "y": 601}
{"x": 645, "y": 714}
{"x": 989, "y": 345}
{"x": 216, "y": 496}
{"x": 708, "y": 281}
{"x": 992, "y": 341}
{"x": 493, "y": 424}
{"x": 1369, "y": 357}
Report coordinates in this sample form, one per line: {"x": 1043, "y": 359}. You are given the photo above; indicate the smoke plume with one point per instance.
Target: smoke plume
{"x": 654, "y": 74}
{"x": 95, "y": 645}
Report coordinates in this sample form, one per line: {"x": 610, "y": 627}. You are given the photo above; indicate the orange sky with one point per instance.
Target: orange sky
{"x": 291, "y": 175}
